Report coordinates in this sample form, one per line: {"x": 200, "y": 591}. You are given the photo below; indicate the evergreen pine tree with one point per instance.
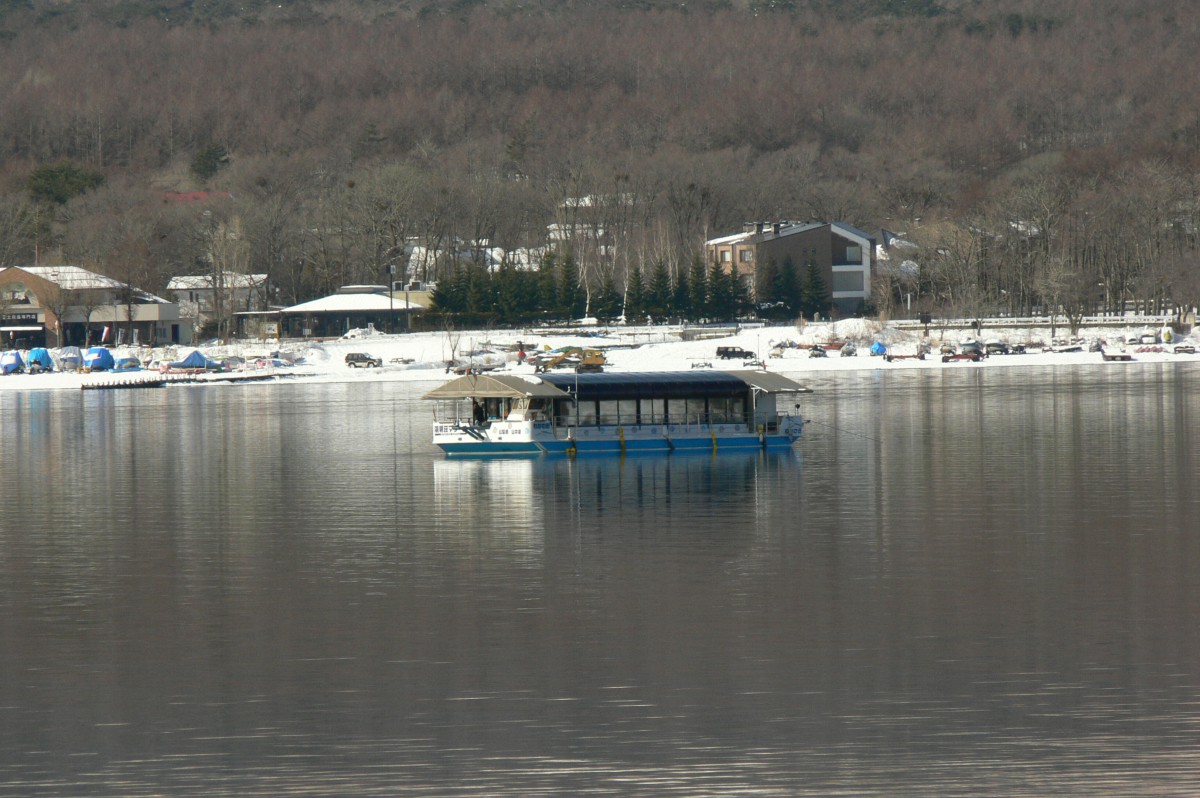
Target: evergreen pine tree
{"x": 505, "y": 290}
{"x": 529, "y": 284}
{"x": 479, "y": 293}
{"x": 516, "y": 294}
{"x": 766, "y": 283}
{"x": 450, "y": 295}
{"x": 789, "y": 286}
{"x": 635, "y": 297}
{"x": 606, "y": 305}
{"x": 570, "y": 293}
{"x": 719, "y": 295}
{"x": 58, "y": 182}
{"x": 548, "y": 305}
{"x": 814, "y": 296}
{"x": 740, "y": 302}
{"x": 681, "y": 298}
{"x": 658, "y": 301}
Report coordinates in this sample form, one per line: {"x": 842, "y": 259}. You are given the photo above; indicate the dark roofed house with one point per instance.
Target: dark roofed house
{"x": 843, "y": 254}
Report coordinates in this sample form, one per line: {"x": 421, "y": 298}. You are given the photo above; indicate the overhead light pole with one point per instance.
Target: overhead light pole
{"x": 391, "y": 268}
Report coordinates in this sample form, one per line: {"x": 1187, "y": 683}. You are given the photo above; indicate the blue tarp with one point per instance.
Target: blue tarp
{"x": 42, "y": 358}
{"x": 196, "y": 360}
{"x": 878, "y": 349}
{"x": 10, "y": 362}
{"x": 98, "y": 359}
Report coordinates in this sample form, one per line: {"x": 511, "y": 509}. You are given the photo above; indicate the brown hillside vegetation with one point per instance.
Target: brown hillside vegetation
{"x": 343, "y": 130}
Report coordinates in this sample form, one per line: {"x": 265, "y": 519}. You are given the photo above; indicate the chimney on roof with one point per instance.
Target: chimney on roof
{"x": 776, "y": 227}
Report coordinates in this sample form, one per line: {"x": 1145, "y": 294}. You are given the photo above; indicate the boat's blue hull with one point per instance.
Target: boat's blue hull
{"x": 486, "y": 448}
{"x": 614, "y": 446}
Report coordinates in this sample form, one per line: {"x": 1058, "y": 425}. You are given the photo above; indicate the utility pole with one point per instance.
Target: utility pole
{"x": 391, "y": 268}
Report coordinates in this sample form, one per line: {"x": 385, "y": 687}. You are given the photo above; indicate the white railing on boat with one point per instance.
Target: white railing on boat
{"x": 653, "y": 424}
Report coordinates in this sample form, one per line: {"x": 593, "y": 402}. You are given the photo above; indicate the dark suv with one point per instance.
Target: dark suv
{"x": 362, "y": 360}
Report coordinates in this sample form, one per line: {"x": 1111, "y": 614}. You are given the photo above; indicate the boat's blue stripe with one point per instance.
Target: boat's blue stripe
{"x": 638, "y": 445}
{"x": 490, "y": 447}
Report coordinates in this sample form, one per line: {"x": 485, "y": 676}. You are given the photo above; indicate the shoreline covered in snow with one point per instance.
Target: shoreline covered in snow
{"x": 426, "y": 356}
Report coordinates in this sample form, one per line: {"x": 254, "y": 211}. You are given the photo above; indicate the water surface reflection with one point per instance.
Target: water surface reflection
{"x": 960, "y": 583}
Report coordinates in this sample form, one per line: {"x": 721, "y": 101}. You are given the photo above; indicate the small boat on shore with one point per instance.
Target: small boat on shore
{"x": 506, "y": 414}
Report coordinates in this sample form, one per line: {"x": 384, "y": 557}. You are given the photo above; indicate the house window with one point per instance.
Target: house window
{"x": 847, "y": 281}
{"x": 746, "y": 256}
{"x": 725, "y": 256}
{"x": 854, "y": 254}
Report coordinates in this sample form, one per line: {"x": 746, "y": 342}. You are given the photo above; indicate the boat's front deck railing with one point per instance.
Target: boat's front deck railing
{"x": 690, "y": 424}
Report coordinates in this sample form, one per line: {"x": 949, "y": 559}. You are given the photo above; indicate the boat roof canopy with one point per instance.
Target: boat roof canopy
{"x": 500, "y": 386}
{"x": 770, "y": 383}
{"x": 624, "y": 385}
{"x": 671, "y": 384}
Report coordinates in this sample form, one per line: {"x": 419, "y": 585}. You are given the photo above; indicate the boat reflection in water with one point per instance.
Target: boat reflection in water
{"x": 519, "y": 501}
{"x": 493, "y": 498}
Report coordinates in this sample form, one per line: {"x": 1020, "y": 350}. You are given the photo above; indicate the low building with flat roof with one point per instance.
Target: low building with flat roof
{"x": 69, "y": 305}
{"x": 353, "y": 307}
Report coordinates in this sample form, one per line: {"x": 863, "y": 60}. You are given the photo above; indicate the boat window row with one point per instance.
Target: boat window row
{"x": 635, "y": 412}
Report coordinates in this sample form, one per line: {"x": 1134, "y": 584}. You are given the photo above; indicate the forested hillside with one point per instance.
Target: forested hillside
{"x": 1040, "y": 153}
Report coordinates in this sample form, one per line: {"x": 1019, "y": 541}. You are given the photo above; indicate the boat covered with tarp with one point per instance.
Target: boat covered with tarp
{"x": 39, "y": 360}
{"x": 70, "y": 358}
{"x": 507, "y": 414}
{"x": 11, "y": 362}
{"x": 98, "y": 358}
{"x": 126, "y": 361}
{"x": 195, "y": 361}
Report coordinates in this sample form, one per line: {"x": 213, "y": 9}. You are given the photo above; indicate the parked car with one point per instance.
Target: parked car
{"x": 362, "y": 360}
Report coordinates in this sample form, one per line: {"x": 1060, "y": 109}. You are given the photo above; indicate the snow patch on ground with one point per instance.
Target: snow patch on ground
{"x": 786, "y": 349}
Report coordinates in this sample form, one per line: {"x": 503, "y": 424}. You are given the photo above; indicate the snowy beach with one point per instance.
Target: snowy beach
{"x": 426, "y": 356}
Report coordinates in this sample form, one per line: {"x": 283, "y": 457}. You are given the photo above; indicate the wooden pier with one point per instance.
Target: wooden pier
{"x": 180, "y": 378}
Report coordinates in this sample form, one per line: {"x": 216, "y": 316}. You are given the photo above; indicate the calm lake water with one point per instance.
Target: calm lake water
{"x": 962, "y": 582}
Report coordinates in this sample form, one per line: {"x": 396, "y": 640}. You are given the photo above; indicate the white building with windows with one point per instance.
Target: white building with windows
{"x": 197, "y": 295}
